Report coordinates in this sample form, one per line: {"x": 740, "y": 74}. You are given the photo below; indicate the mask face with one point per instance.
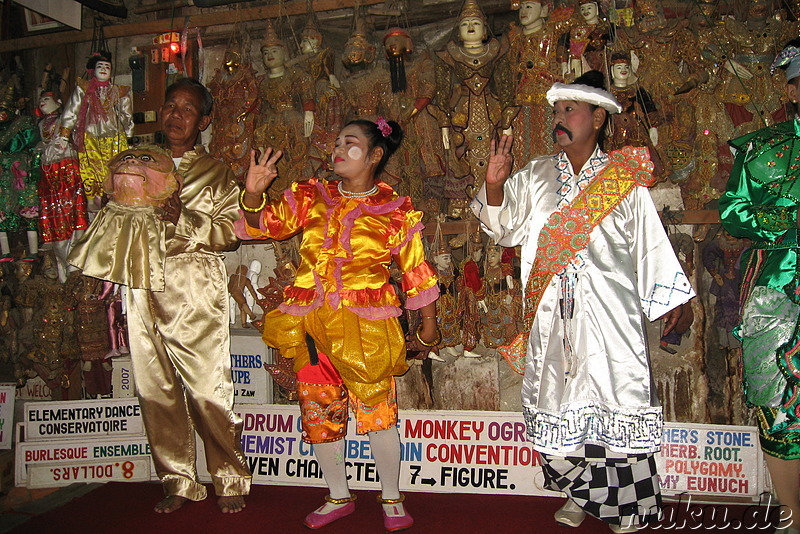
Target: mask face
{"x": 231, "y": 61}
{"x": 494, "y": 255}
{"x": 102, "y": 71}
{"x": 141, "y": 176}
{"x": 589, "y": 11}
{"x": 472, "y": 30}
{"x": 529, "y": 12}
{"x": 273, "y": 56}
{"x": 358, "y": 51}
{"x": 397, "y": 46}
{"x": 48, "y": 105}
{"x": 620, "y": 72}
{"x": 308, "y": 45}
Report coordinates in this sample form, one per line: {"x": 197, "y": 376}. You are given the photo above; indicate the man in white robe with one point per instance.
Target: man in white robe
{"x": 588, "y": 398}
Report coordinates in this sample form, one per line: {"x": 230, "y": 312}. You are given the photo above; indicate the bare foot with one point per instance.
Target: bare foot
{"x": 231, "y": 504}
{"x": 169, "y": 504}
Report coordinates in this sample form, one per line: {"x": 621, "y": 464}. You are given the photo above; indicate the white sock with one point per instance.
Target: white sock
{"x": 385, "y": 445}
{"x": 331, "y": 459}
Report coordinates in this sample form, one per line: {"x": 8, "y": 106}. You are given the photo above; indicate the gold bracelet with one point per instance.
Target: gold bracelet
{"x": 391, "y": 501}
{"x": 252, "y": 210}
{"x": 435, "y": 342}
{"x": 343, "y": 500}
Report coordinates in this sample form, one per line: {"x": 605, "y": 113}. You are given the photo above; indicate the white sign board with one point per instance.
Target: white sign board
{"x": 709, "y": 460}
{"x": 49, "y": 476}
{"x": 34, "y": 389}
{"x": 123, "y": 385}
{"x": 82, "y": 419}
{"x": 7, "y": 394}
{"x": 442, "y": 451}
{"x": 251, "y": 383}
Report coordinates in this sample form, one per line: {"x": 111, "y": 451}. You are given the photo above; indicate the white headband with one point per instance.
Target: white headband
{"x": 583, "y": 93}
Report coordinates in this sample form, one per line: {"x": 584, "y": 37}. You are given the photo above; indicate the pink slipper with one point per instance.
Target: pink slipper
{"x": 316, "y": 520}
{"x": 398, "y": 518}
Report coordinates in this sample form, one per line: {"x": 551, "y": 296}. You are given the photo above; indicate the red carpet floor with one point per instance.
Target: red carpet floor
{"x": 127, "y": 508}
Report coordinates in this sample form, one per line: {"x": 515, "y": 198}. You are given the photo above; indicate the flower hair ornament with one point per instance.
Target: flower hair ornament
{"x": 383, "y": 126}
{"x": 787, "y": 58}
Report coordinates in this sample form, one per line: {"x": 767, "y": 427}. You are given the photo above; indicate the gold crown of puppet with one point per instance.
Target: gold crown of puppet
{"x": 476, "y": 238}
{"x": 442, "y": 248}
{"x": 271, "y": 36}
{"x": 232, "y": 55}
{"x": 310, "y": 30}
{"x": 517, "y": 4}
{"x": 471, "y": 9}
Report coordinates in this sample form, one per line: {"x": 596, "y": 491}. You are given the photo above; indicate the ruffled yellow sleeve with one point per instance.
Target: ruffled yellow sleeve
{"x": 286, "y": 215}
{"x": 419, "y": 280}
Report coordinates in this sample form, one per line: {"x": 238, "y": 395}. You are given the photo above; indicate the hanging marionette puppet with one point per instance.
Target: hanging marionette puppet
{"x": 19, "y": 174}
{"x": 62, "y": 203}
{"x": 235, "y": 91}
{"x": 99, "y": 116}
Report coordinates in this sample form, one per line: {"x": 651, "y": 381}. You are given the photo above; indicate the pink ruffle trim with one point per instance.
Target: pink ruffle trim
{"x": 423, "y": 298}
{"x": 240, "y": 227}
{"x": 411, "y": 233}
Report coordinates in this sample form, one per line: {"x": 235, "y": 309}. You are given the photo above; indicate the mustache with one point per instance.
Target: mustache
{"x": 563, "y": 129}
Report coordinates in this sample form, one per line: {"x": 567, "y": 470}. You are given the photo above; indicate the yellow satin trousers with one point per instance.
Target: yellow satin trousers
{"x": 180, "y": 347}
{"x": 94, "y": 159}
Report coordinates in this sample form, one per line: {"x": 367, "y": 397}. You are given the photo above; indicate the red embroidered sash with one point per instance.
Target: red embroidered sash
{"x": 567, "y": 230}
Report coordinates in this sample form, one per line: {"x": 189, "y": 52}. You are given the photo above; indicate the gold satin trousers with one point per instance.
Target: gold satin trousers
{"x": 180, "y": 347}
{"x": 93, "y": 160}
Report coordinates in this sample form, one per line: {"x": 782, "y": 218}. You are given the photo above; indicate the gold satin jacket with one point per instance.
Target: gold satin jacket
{"x": 210, "y": 206}
{"x": 348, "y": 245}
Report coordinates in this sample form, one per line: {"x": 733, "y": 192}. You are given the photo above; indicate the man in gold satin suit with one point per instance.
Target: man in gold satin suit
{"x": 179, "y": 337}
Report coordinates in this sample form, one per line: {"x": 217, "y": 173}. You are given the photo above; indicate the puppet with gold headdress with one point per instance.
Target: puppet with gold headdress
{"x": 326, "y": 119}
{"x": 99, "y": 118}
{"x": 474, "y": 99}
{"x": 235, "y": 91}
{"x": 534, "y": 63}
{"x": 287, "y": 106}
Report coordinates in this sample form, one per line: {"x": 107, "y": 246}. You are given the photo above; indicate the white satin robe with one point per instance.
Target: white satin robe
{"x": 628, "y": 270}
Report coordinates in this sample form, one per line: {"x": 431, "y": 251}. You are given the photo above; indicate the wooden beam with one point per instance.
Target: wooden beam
{"x": 198, "y": 20}
{"x": 668, "y": 217}
{"x": 691, "y": 217}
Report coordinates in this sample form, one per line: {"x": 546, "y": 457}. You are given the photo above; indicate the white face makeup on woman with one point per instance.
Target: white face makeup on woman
{"x": 350, "y": 153}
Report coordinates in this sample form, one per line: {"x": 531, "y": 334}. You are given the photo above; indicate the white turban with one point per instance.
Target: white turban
{"x": 583, "y": 93}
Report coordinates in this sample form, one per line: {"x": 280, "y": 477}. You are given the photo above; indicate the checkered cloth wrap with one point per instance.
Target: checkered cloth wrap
{"x": 616, "y": 488}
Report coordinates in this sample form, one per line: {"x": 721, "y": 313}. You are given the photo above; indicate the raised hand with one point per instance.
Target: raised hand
{"x": 500, "y": 159}
{"x": 262, "y": 173}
